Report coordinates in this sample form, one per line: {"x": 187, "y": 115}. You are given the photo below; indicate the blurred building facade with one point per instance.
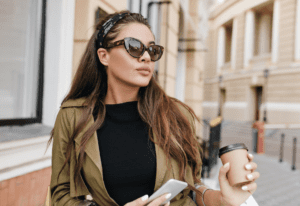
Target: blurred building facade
{"x": 41, "y": 45}
{"x": 252, "y": 67}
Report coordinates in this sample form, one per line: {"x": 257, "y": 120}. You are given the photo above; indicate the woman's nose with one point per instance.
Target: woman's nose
{"x": 145, "y": 56}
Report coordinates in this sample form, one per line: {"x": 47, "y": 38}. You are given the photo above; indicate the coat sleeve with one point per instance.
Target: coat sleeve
{"x": 60, "y": 187}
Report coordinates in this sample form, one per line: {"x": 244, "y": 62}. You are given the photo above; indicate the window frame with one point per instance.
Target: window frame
{"x": 39, "y": 102}
{"x": 228, "y": 44}
{"x": 260, "y": 11}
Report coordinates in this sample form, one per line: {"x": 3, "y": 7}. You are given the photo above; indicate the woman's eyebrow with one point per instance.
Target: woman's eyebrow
{"x": 152, "y": 42}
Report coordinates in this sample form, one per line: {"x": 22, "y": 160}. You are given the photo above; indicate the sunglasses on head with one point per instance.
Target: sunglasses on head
{"x": 136, "y": 48}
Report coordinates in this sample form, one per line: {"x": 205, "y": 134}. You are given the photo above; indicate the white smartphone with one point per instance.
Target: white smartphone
{"x": 250, "y": 202}
{"x": 171, "y": 186}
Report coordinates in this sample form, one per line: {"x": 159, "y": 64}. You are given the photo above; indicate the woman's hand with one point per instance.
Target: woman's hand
{"x": 232, "y": 196}
{"x": 143, "y": 201}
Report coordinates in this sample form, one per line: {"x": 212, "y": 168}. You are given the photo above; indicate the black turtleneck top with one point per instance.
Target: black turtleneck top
{"x": 127, "y": 155}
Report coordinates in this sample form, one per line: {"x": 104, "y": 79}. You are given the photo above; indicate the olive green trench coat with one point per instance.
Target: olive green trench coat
{"x": 91, "y": 179}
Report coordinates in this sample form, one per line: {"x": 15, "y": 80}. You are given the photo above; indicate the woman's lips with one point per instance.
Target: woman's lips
{"x": 144, "y": 71}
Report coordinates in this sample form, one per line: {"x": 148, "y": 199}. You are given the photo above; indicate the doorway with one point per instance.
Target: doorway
{"x": 222, "y": 101}
{"x": 258, "y": 101}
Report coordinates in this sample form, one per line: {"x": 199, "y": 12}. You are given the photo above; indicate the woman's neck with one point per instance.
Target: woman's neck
{"x": 117, "y": 94}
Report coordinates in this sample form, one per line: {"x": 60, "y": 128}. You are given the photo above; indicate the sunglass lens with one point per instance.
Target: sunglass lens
{"x": 134, "y": 47}
{"x": 155, "y": 52}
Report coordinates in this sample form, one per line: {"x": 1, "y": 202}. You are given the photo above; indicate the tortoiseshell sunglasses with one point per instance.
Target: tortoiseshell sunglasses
{"x": 136, "y": 48}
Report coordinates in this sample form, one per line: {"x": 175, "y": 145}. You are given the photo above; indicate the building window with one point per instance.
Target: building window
{"x": 263, "y": 29}
{"x": 228, "y": 40}
{"x": 225, "y": 44}
{"x": 297, "y": 36}
{"x": 21, "y": 60}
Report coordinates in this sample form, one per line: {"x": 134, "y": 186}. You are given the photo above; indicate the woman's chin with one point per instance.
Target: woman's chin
{"x": 142, "y": 83}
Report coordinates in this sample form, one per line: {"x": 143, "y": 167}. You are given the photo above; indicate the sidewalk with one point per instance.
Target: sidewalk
{"x": 278, "y": 185}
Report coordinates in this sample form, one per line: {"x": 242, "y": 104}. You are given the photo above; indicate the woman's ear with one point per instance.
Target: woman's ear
{"x": 103, "y": 56}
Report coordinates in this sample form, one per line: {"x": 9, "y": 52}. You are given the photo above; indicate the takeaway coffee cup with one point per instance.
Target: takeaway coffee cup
{"x": 236, "y": 154}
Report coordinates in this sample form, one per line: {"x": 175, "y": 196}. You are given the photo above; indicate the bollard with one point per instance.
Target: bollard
{"x": 281, "y": 148}
{"x": 294, "y": 153}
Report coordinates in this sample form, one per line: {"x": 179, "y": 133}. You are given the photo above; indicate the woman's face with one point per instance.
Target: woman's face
{"x": 125, "y": 70}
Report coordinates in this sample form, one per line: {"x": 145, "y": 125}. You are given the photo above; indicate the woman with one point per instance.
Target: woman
{"x": 119, "y": 137}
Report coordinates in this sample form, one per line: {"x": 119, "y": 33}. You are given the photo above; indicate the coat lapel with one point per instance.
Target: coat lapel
{"x": 163, "y": 166}
{"x": 91, "y": 148}
{"x": 93, "y": 152}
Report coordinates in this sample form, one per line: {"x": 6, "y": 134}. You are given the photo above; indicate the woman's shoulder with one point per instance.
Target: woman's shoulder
{"x": 70, "y": 109}
{"x": 80, "y": 102}
{"x": 69, "y": 112}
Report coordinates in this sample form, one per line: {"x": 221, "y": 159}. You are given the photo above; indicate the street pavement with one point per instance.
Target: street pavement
{"x": 278, "y": 184}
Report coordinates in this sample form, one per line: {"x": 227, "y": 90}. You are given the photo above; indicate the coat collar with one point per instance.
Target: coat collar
{"x": 74, "y": 103}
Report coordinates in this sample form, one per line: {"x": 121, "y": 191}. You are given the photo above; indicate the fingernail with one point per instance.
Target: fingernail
{"x": 168, "y": 196}
{"x": 168, "y": 203}
{"x": 244, "y": 188}
{"x": 251, "y": 155}
{"x": 226, "y": 165}
{"x": 248, "y": 166}
{"x": 250, "y": 177}
{"x": 145, "y": 197}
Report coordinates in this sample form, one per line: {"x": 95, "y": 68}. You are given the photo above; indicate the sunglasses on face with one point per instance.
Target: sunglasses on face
{"x": 136, "y": 48}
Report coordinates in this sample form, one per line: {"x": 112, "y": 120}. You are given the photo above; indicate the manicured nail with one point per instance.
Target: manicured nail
{"x": 248, "y": 166}
{"x": 168, "y": 196}
{"x": 244, "y": 188}
{"x": 145, "y": 197}
{"x": 226, "y": 165}
{"x": 168, "y": 203}
{"x": 250, "y": 177}
{"x": 251, "y": 155}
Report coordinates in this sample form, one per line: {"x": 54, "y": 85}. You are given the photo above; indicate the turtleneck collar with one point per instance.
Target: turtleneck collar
{"x": 123, "y": 112}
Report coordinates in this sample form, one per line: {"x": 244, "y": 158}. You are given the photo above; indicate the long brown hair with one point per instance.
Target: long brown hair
{"x": 159, "y": 111}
